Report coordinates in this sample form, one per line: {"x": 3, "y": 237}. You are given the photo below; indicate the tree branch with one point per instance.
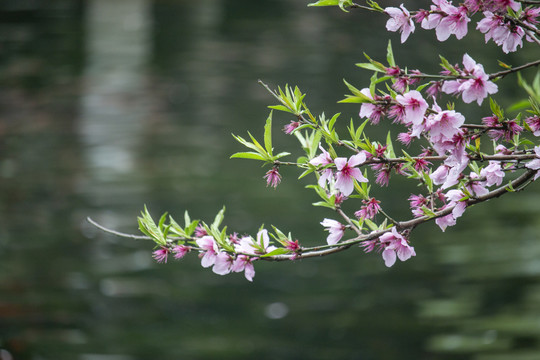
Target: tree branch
{"x": 117, "y": 233}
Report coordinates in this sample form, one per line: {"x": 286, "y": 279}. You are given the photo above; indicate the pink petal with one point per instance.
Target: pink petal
{"x": 389, "y": 257}
{"x": 249, "y": 271}
{"x": 340, "y": 162}
{"x": 344, "y": 184}
{"x": 357, "y": 159}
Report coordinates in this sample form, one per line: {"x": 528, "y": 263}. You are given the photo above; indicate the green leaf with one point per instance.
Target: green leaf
{"x": 176, "y": 229}
{"x": 149, "y": 227}
{"x": 246, "y": 143}
{"x": 445, "y": 64}
{"x": 534, "y": 89}
{"x": 280, "y": 108}
{"x": 378, "y": 65}
{"x": 520, "y": 105}
{"x": 333, "y": 121}
{"x": 355, "y": 100}
{"x": 324, "y": 204}
{"x": 496, "y": 109}
{"x": 278, "y": 251}
{"x": 248, "y": 155}
{"x": 371, "y": 225}
{"x": 374, "y": 5}
{"x": 504, "y": 65}
{"x": 258, "y": 147}
{"x": 162, "y": 220}
{"x": 360, "y": 129}
{"x": 340, "y": 3}
{"x": 427, "y": 211}
{"x": 219, "y": 218}
{"x": 354, "y": 90}
{"x": 268, "y": 134}
{"x": 308, "y": 171}
{"x": 191, "y": 228}
{"x": 369, "y": 66}
{"x": 390, "y": 55}
{"x": 280, "y": 155}
{"x": 389, "y": 146}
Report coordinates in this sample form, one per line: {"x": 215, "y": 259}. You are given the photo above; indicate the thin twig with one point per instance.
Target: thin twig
{"x": 514, "y": 69}
{"x": 117, "y": 233}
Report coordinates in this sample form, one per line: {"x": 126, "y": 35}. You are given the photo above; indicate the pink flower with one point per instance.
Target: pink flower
{"x": 439, "y": 176}
{"x": 475, "y": 186}
{"x": 455, "y": 22}
{"x": 475, "y": 88}
{"x": 248, "y": 245}
{"x": 490, "y": 24}
{"x": 347, "y": 172}
{"x": 447, "y": 19}
{"x": 323, "y": 160}
{"x": 496, "y": 6}
{"x": 405, "y": 138}
{"x": 503, "y": 150}
{"x": 244, "y": 263}
{"x": 456, "y": 165}
{"x": 535, "y": 164}
{"x": 529, "y": 16}
{"x": 534, "y": 123}
{"x": 417, "y": 202}
{"x": 443, "y": 126}
{"x": 370, "y": 110}
{"x": 395, "y": 244}
{"x": 293, "y": 246}
{"x": 457, "y": 200}
{"x": 400, "y": 20}
{"x": 506, "y": 129}
{"x": 289, "y": 128}
{"x": 445, "y": 221}
{"x": 503, "y": 33}
{"x": 160, "y": 255}
{"x": 421, "y": 165}
{"x": 493, "y": 173}
{"x": 336, "y": 230}
{"x": 180, "y": 251}
{"x": 434, "y": 89}
{"x": 473, "y": 5}
{"x": 431, "y": 19}
{"x": 370, "y": 208}
{"x": 456, "y": 197}
{"x": 200, "y": 231}
{"x": 273, "y": 178}
{"x": 415, "y": 108}
{"x": 209, "y": 250}
{"x": 383, "y": 173}
{"x": 223, "y": 263}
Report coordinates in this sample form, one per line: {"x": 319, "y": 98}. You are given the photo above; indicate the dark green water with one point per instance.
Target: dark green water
{"x": 109, "y": 105}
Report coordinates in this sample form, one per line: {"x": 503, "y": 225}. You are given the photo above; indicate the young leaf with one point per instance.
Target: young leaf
{"x": 247, "y": 155}
{"x": 268, "y": 134}
{"x": 149, "y": 227}
{"x": 219, "y": 218}
{"x": 278, "y": 251}
{"x": 280, "y": 108}
{"x": 390, "y": 55}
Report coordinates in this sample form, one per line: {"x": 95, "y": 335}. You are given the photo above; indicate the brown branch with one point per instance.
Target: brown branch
{"x": 117, "y": 233}
{"x": 324, "y": 250}
{"x": 514, "y": 69}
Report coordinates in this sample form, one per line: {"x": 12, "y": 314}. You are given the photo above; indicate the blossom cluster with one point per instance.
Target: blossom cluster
{"x": 448, "y": 20}
{"x": 454, "y": 167}
{"x": 242, "y": 251}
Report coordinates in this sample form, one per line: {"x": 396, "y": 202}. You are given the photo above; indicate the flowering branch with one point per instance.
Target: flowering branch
{"x": 453, "y": 167}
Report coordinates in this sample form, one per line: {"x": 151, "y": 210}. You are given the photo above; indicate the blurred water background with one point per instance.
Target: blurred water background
{"x": 107, "y": 105}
